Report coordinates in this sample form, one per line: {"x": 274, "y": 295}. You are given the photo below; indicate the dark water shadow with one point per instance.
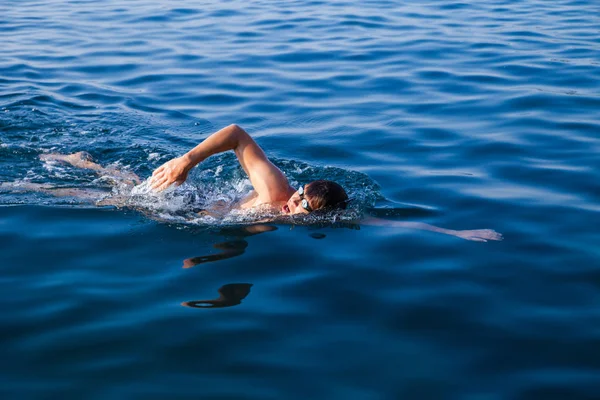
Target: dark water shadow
{"x": 392, "y": 211}
{"x": 231, "y": 294}
{"x": 230, "y": 248}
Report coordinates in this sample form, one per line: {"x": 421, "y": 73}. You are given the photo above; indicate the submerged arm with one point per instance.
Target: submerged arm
{"x": 477, "y": 235}
{"x": 268, "y": 181}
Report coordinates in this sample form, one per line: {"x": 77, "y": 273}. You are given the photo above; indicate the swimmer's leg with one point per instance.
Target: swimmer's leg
{"x": 80, "y": 159}
{"x": 84, "y": 160}
{"x": 91, "y": 195}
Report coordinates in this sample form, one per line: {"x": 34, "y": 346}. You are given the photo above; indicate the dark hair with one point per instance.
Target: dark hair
{"x": 326, "y": 194}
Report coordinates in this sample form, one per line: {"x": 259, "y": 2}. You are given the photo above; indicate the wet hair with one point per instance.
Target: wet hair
{"x": 326, "y": 194}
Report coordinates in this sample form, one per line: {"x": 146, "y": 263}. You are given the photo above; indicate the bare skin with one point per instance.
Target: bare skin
{"x": 84, "y": 161}
{"x": 271, "y": 187}
{"x": 83, "y": 194}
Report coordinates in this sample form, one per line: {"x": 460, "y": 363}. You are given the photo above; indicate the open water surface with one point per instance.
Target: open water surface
{"x": 460, "y": 114}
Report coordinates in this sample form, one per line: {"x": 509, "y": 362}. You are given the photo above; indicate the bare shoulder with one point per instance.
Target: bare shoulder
{"x": 268, "y": 180}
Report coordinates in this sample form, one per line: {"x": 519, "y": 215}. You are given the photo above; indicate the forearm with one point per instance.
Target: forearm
{"x": 407, "y": 224}
{"x": 266, "y": 178}
{"x": 477, "y": 235}
{"x": 223, "y": 140}
{"x": 176, "y": 170}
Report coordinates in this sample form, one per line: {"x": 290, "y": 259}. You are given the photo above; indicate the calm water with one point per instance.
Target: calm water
{"x": 483, "y": 115}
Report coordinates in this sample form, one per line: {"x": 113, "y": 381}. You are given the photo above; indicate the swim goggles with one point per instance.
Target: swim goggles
{"x": 304, "y": 203}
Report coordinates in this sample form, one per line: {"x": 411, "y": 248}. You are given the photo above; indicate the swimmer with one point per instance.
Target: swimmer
{"x": 271, "y": 187}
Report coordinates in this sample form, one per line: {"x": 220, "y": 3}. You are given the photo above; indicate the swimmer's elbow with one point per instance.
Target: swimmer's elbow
{"x": 241, "y": 137}
{"x": 238, "y": 130}
{"x": 236, "y": 135}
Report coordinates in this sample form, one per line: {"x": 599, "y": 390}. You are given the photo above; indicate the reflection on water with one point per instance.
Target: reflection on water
{"x": 231, "y": 294}
{"x": 228, "y": 249}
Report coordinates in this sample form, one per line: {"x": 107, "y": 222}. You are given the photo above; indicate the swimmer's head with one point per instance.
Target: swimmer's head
{"x": 315, "y": 196}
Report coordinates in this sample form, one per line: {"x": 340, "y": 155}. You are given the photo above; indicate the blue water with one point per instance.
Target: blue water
{"x": 462, "y": 115}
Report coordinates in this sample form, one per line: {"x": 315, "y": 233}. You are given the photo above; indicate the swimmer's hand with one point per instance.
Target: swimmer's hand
{"x": 478, "y": 235}
{"x": 173, "y": 171}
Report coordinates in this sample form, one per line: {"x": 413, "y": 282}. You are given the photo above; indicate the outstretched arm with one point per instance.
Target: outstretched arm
{"x": 477, "y": 235}
{"x": 268, "y": 181}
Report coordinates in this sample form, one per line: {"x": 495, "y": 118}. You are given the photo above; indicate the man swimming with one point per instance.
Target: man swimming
{"x": 271, "y": 187}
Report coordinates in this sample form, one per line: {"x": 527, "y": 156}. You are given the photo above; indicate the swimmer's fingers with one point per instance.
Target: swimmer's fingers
{"x": 162, "y": 182}
{"x": 175, "y": 170}
{"x": 156, "y": 175}
{"x": 157, "y": 181}
{"x": 162, "y": 185}
{"x": 158, "y": 170}
{"x": 165, "y": 183}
